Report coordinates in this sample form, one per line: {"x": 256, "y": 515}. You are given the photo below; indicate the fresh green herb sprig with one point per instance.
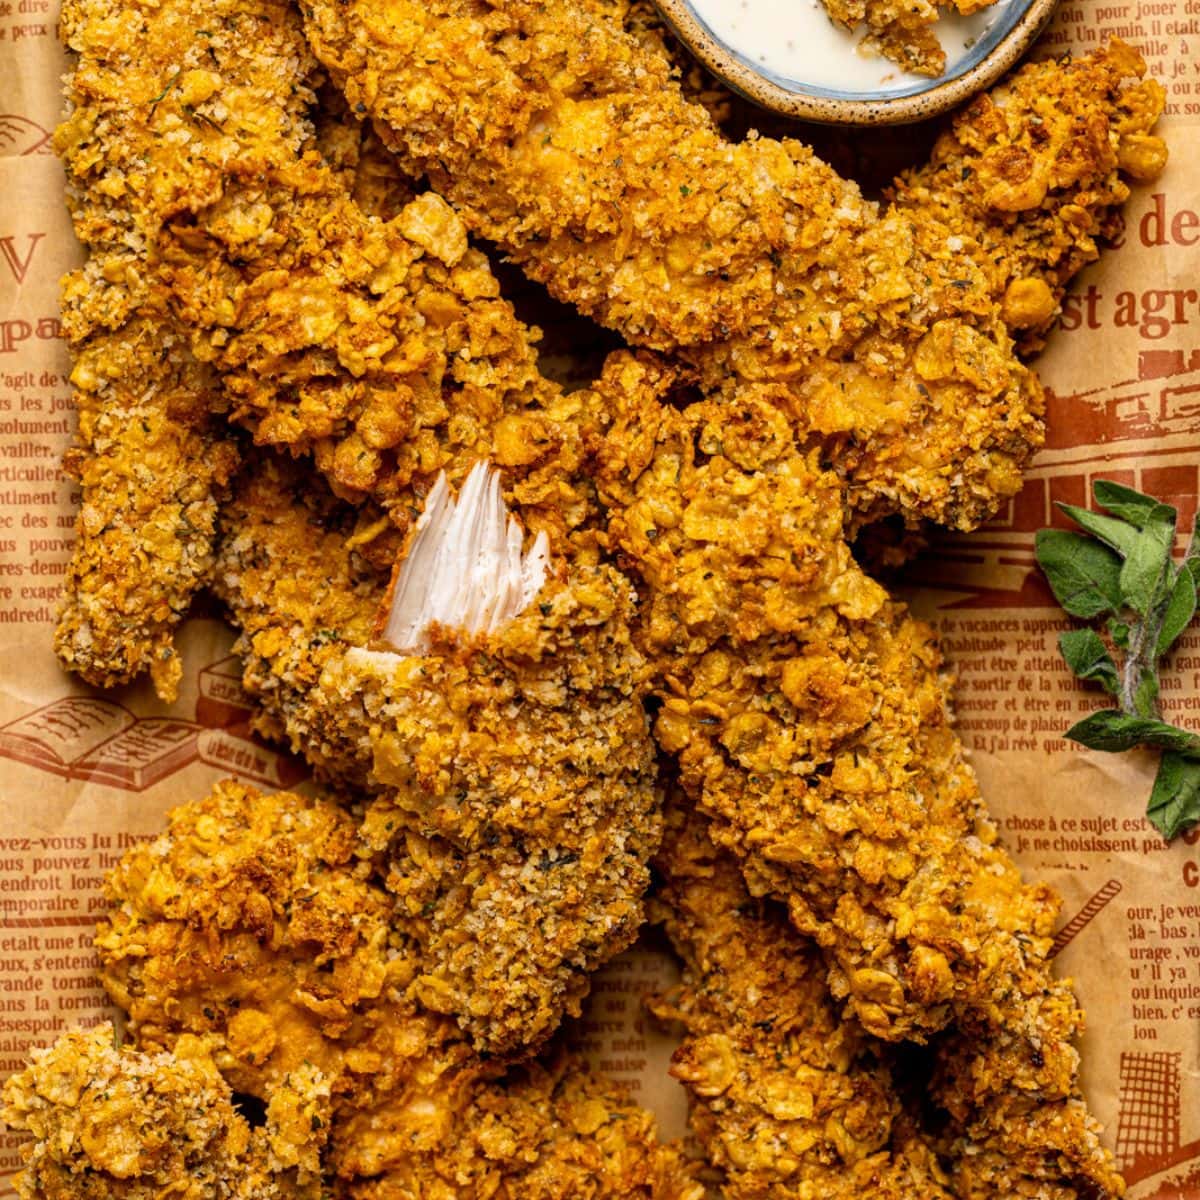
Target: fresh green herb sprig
{"x": 1120, "y": 570}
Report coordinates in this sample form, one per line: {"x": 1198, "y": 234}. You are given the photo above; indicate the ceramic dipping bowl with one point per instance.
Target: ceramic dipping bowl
{"x": 901, "y": 99}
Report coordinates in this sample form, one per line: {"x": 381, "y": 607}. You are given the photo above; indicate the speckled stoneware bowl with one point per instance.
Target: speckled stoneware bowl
{"x": 993, "y": 54}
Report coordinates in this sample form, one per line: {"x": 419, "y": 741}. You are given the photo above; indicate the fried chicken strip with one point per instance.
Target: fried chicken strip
{"x": 255, "y": 922}
{"x": 152, "y": 458}
{"x": 513, "y": 772}
{"x": 1033, "y": 172}
{"x": 794, "y": 1100}
{"x": 152, "y": 466}
{"x": 788, "y": 1098}
{"x": 810, "y": 720}
{"x": 564, "y": 138}
{"x": 117, "y": 1123}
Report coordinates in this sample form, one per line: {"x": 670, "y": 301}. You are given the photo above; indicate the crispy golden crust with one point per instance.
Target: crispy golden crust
{"x": 151, "y": 459}
{"x": 1019, "y": 1126}
{"x": 789, "y": 1095}
{"x": 125, "y": 1125}
{"x": 346, "y": 318}
{"x": 255, "y": 922}
{"x": 789, "y": 1098}
{"x": 152, "y": 467}
{"x": 573, "y": 148}
{"x": 1033, "y": 172}
{"x": 513, "y": 774}
{"x": 368, "y": 172}
{"x": 810, "y": 720}
{"x": 645, "y": 22}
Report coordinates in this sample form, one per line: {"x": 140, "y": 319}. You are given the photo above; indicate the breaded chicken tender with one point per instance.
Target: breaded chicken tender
{"x": 1034, "y": 171}
{"x": 809, "y": 716}
{"x": 152, "y": 466}
{"x": 789, "y": 1098}
{"x": 153, "y": 456}
{"x": 513, "y": 773}
{"x": 792, "y": 1099}
{"x": 256, "y": 923}
{"x": 117, "y": 1123}
{"x": 563, "y": 137}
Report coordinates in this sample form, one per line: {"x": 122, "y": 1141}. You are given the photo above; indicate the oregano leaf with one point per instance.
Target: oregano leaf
{"x": 1088, "y": 657}
{"x": 1142, "y": 578}
{"x": 1181, "y": 608}
{"x": 1123, "y": 501}
{"x": 1113, "y": 731}
{"x": 1120, "y": 535}
{"x": 1084, "y": 575}
{"x": 1191, "y": 558}
{"x": 1123, "y": 573}
{"x": 1175, "y": 801}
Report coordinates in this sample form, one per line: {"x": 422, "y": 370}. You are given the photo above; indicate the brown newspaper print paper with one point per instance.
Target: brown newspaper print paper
{"x": 84, "y": 775}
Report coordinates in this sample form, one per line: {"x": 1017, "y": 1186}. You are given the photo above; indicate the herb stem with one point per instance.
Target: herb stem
{"x": 1139, "y": 663}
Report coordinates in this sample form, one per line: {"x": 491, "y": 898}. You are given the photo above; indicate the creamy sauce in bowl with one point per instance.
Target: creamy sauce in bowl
{"x": 795, "y": 44}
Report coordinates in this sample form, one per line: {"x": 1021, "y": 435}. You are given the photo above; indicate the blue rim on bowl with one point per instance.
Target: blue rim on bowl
{"x": 996, "y": 51}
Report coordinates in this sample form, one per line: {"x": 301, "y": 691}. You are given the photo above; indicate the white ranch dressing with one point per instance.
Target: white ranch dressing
{"x": 795, "y": 39}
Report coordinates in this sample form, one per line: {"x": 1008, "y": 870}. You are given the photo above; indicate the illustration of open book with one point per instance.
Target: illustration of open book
{"x": 81, "y": 737}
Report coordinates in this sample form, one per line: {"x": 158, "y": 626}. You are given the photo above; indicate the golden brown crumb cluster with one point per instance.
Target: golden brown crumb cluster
{"x": 134, "y": 1125}
{"x": 512, "y": 774}
{"x": 257, "y": 924}
{"x": 903, "y": 30}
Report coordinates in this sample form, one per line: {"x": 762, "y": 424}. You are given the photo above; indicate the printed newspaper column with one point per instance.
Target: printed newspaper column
{"x": 1123, "y": 382}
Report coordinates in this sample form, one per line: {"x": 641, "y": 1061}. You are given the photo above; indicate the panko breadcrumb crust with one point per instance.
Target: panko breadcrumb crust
{"x": 512, "y": 775}
{"x": 255, "y": 928}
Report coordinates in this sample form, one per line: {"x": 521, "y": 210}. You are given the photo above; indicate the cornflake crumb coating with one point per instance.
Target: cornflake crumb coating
{"x": 512, "y": 774}
{"x": 256, "y": 922}
{"x": 119, "y": 1123}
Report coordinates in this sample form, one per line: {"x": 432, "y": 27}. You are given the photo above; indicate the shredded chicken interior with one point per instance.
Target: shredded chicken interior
{"x": 466, "y": 567}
